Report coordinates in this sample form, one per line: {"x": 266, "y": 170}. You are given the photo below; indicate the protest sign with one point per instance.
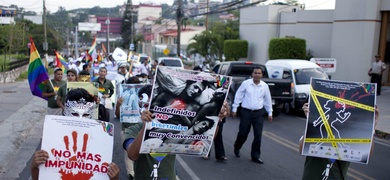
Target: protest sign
{"x": 78, "y": 148}
{"x": 130, "y": 107}
{"x": 340, "y": 123}
{"x": 185, "y": 105}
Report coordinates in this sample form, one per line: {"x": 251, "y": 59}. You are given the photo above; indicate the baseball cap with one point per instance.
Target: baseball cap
{"x": 57, "y": 69}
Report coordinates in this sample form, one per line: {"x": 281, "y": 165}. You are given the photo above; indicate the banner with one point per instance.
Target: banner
{"x": 78, "y": 148}
{"x": 185, "y": 105}
{"x": 131, "y": 105}
{"x": 340, "y": 124}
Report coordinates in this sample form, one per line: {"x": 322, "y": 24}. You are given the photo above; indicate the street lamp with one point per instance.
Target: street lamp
{"x": 108, "y": 33}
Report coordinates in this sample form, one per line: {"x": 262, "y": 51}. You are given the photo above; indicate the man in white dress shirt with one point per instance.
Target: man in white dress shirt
{"x": 254, "y": 95}
{"x": 376, "y": 72}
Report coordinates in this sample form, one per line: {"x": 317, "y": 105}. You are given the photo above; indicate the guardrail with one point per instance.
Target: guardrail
{"x": 13, "y": 65}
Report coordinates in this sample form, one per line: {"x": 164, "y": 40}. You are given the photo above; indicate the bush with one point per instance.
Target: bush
{"x": 287, "y": 48}
{"x": 235, "y": 49}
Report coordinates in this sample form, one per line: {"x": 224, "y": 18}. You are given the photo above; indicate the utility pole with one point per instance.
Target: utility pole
{"x": 77, "y": 42}
{"x": 207, "y": 14}
{"x": 45, "y": 45}
{"x": 108, "y": 32}
{"x": 178, "y": 21}
{"x": 132, "y": 24}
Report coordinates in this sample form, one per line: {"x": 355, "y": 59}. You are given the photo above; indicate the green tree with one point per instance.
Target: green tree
{"x": 126, "y": 29}
{"x": 59, "y": 21}
{"x": 201, "y": 44}
{"x": 220, "y": 33}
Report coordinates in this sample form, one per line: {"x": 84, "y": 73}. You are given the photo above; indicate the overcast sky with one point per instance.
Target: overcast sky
{"x": 52, "y": 5}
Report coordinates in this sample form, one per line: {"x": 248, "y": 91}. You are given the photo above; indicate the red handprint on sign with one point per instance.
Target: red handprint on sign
{"x": 73, "y": 167}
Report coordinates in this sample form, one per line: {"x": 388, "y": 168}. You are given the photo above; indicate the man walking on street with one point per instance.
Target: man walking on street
{"x": 50, "y": 92}
{"x": 254, "y": 95}
{"x": 106, "y": 88}
{"x": 376, "y": 72}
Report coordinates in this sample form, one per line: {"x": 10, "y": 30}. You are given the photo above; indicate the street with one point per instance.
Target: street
{"x": 279, "y": 152}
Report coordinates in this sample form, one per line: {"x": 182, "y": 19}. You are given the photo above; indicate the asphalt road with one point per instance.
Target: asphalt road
{"x": 279, "y": 152}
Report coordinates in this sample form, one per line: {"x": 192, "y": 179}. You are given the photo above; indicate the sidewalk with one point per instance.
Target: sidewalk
{"x": 21, "y": 121}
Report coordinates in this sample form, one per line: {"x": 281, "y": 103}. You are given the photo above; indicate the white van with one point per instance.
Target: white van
{"x": 171, "y": 61}
{"x": 300, "y": 71}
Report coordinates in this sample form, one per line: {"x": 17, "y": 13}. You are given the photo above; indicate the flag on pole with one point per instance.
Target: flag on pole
{"x": 92, "y": 50}
{"x": 104, "y": 49}
{"x": 37, "y": 74}
{"x": 61, "y": 62}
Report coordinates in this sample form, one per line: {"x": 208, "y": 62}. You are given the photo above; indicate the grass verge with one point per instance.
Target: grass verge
{"x": 24, "y": 75}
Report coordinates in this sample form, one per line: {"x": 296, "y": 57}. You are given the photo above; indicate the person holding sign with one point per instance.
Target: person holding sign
{"x": 50, "y": 92}
{"x": 79, "y": 103}
{"x": 71, "y": 76}
{"x": 147, "y": 166}
{"x": 323, "y": 168}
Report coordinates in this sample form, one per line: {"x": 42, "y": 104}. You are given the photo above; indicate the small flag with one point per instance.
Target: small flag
{"x": 37, "y": 74}
{"x": 92, "y": 50}
{"x": 61, "y": 62}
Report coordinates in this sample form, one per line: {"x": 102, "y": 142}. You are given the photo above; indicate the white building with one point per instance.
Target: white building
{"x": 35, "y": 19}
{"x": 352, "y": 33}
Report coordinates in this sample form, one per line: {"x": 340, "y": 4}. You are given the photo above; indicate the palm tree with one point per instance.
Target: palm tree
{"x": 201, "y": 44}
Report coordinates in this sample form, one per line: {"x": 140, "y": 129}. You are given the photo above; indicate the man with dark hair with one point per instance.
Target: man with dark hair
{"x": 71, "y": 76}
{"x": 79, "y": 103}
{"x": 105, "y": 85}
{"x": 144, "y": 163}
{"x": 376, "y": 71}
{"x": 50, "y": 92}
{"x": 85, "y": 70}
{"x": 253, "y": 95}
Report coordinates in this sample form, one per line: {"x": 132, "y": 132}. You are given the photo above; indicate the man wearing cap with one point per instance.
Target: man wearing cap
{"x": 375, "y": 72}
{"x": 72, "y": 65}
{"x": 50, "y": 92}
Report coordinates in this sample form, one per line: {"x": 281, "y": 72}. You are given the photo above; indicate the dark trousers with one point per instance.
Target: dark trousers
{"x": 255, "y": 119}
{"x": 377, "y": 78}
{"x": 218, "y": 142}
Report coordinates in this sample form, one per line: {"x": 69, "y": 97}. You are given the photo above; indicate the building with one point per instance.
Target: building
{"x": 35, "y": 19}
{"x": 148, "y": 11}
{"x": 352, "y": 33}
{"x": 114, "y": 26}
{"x": 7, "y": 15}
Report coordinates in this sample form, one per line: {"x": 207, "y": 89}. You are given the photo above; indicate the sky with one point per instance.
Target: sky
{"x": 52, "y": 5}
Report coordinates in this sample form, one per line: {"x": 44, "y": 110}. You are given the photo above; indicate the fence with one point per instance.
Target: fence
{"x": 13, "y": 65}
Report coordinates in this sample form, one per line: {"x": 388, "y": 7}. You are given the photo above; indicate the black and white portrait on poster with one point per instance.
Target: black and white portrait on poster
{"x": 340, "y": 123}
{"x": 131, "y": 107}
{"x": 185, "y": 105}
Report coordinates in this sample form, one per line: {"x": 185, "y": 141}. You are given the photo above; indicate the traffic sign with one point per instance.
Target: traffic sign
{"x": 166, "y": 51}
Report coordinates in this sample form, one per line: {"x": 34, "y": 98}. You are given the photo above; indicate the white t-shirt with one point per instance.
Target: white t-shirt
{"x": 376, "y": 67}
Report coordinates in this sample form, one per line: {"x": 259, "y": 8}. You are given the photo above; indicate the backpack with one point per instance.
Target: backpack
{"x": 103, "y": 113}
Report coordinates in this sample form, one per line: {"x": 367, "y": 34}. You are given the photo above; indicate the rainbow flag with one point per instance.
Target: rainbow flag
{"x": 61, "y": 62}
{"x": 37, "y": 74}
{"x": 104, "y": 49}
{"x": 92, "y": 50}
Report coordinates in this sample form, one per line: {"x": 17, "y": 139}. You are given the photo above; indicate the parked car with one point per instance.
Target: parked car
{"x": 300, "y": 72}
{"x": 280, "y": 88}
{"x": 171, "y": 61}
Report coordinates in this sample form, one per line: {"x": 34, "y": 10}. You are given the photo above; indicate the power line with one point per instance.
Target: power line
{"x": 225, "y": 10}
